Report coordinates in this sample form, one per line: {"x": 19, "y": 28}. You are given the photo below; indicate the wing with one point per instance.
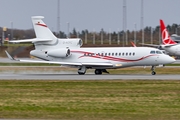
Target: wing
{"x": 158, "y": 46}
{"x": 133, "y": 44}
{"x": 150, "y": 45}
{"x": 93, "y": 64}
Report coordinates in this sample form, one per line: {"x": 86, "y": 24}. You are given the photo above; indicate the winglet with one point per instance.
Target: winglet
{"x": 133, "y": 44}
{"x": 9, "y": 56}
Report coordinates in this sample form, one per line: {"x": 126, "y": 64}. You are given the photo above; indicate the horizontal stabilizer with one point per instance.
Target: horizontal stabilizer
{"x": 30, "y": 40}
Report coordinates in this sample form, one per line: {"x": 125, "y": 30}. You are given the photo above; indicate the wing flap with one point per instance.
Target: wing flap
{"x": 52, "y": 62}
{"x": 105, "y": 64}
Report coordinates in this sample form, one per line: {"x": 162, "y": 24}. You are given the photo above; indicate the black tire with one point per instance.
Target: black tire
{"x": 153, "y": 73}
{"x": 98, "y": 72}
{"x": 81, "y": 73}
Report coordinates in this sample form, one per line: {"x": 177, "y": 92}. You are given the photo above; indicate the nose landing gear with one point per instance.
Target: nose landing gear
{"x": 153, "y": 70}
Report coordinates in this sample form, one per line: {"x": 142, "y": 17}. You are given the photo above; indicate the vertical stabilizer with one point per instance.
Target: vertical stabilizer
{"x": 41, "y": 29}
{"x": 165, "y": 35}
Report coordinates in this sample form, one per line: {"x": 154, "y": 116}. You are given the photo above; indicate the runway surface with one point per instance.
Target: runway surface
{"x": 10, "y": 76}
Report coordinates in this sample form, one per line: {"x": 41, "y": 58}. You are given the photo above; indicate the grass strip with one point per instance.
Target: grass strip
{"x": 90, "y": 100}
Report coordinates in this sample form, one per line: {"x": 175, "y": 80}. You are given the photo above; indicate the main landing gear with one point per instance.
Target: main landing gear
{"x": 153, "y": 70}
{"x": 99, "y": 71}
{"x": 82, "y": 70}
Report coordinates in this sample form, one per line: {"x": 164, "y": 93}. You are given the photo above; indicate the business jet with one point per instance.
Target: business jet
{"x": 68, "y": 52}
{"x": 168, "y": 44}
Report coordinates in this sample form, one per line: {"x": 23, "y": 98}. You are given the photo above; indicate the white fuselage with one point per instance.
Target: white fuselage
{"x": 173, "y": 50}
{"x": 118, "y": 56}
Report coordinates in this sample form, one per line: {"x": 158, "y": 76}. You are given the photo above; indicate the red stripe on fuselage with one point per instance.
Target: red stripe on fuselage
{"x": 110, "y": 57}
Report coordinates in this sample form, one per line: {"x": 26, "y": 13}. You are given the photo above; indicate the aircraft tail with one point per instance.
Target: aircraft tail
{"x": 166, "y": 40}
{"x": 41, "y": 29}
{"x": 43, "y": 33}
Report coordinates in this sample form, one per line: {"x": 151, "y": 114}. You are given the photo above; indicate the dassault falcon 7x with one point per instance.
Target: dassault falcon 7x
{"x": 168, "y": 44}
{"x": 68, "y": 52}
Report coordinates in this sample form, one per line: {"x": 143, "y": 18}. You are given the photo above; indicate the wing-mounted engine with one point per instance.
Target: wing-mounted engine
{"x": 73, "y": 42}
{"x": 160, "y": 47}
{"x": 59, "y": 53}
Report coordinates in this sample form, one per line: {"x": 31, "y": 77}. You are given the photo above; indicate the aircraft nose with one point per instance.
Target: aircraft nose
{"x": 170, "y": 59}
{"x": 166, "y": 59}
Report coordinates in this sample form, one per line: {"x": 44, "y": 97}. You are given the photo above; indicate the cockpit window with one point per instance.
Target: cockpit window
{"x": 152, "y": 52}
{"x": 158, "y": 52}
{"x": 155, "y": 52}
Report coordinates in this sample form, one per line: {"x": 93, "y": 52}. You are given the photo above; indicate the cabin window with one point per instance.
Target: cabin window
{"x": 112, "y": 54}
{"x": 102, "y": 54}
{"x": 152, "y": 52}
{"x": 133, "y": 53}
{"x": 116, "y": 54}
{"x": 122, "y": 54}
{"x": 130, "y": 54}
{"x": 119, "y": 54}
{"x": 126, "y": 54}
{"x": 109, "y": 54}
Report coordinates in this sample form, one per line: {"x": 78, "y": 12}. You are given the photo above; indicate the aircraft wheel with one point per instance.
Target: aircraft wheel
{"x": 153, "y": 73}
{"x": 82, "y": 70}
{"x": 80, "y": 73}
{"x": 98, "y": 72}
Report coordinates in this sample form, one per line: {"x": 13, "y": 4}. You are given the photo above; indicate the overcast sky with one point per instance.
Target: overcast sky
{"x": 88, "y": 14}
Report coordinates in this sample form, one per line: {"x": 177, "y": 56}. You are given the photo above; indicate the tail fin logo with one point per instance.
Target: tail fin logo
{"x": 41, "y": 24}
{"x": 165, "y": 37}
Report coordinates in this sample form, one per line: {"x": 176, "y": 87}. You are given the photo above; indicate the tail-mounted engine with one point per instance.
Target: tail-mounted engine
{"x": 59, "y": 53}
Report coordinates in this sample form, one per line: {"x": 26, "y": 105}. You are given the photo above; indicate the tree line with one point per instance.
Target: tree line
{"x": 123, "y": 38}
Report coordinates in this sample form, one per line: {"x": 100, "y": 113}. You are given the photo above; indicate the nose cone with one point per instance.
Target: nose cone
{"x": 169, "y": 60}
